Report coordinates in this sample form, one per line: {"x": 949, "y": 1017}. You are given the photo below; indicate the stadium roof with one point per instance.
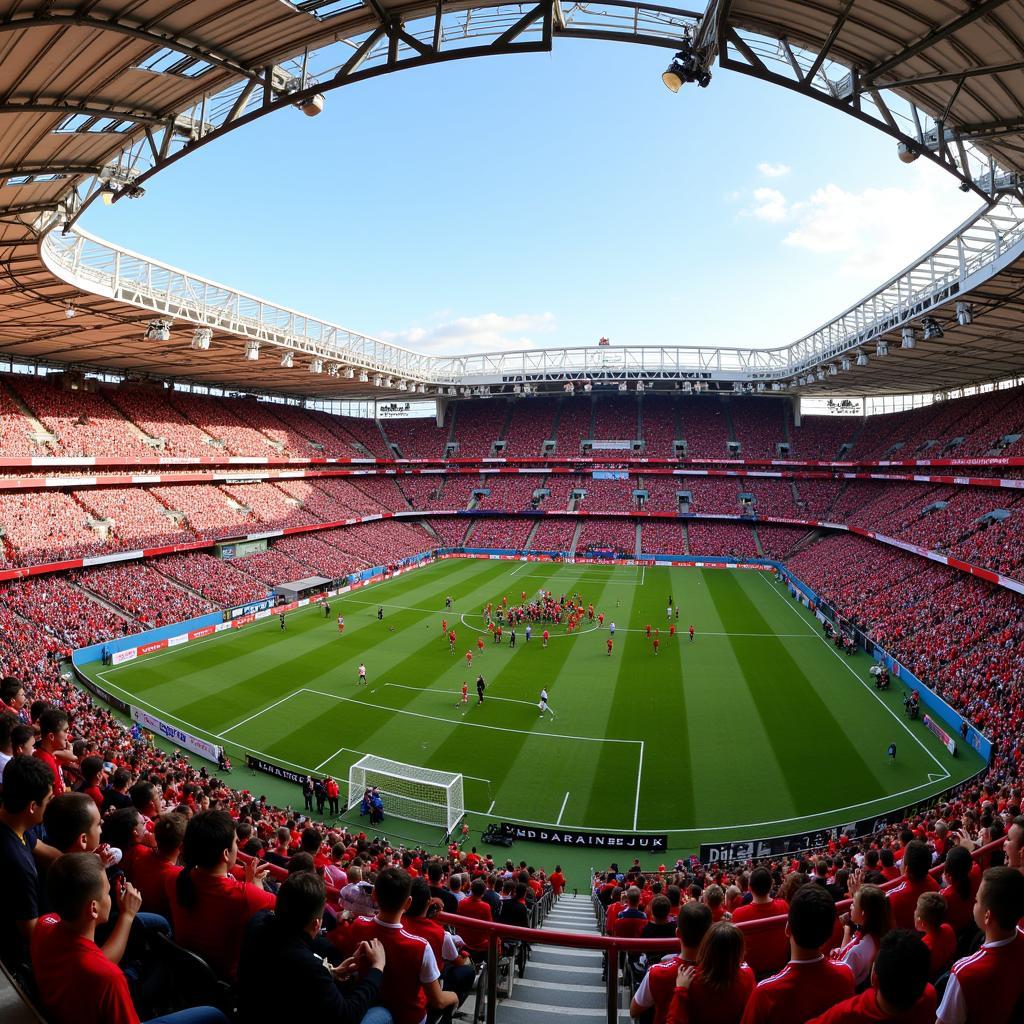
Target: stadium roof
{"x": 95, "y": 99}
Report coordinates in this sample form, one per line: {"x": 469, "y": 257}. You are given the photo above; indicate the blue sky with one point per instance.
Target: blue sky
{"x": 548, "y": 200}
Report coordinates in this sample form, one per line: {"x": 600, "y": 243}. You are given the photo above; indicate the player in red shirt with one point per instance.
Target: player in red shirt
{"x": 209, "y": 907}
{"x": 656, "y": 643}
{"x": 480, "y": 644}
{"x": 987, "y": 988}
{"x": 809, "y": 984}
{"x": 647, "y": 629}
{"x": 411, "y": 972}
{"x": 341, "y": 625}
{"x": 451, "y": 641}
{"x": 544, "y": 636}
{"x": 600, "y": 619}
{"x": 659, "y": 984}
{"x": 672, "y": 630}
{"x": 691, "y": 634}
{"x": 609, "y": 643}
{"x": 469, "y": 658}
{"x": 465, "y": 694}
{"x": 900, "y": 992}
{"x": 917, "y": 859}
{"x": 767, "y": 950}
{"x": 444, "y": 626}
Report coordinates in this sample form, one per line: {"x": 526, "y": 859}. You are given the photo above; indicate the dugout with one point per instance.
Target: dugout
{"x": 298, "y": 589}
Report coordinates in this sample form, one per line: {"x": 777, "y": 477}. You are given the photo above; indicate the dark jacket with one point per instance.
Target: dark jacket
{"x": 515, "y": 913}
{"x": 281, "y": 978}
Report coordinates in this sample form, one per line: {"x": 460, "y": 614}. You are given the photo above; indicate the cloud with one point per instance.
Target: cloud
{"x": 773, "y": 170}
{"x": 877, "y": 230}
{"x": 488, "y": 332}
{"x": 769, "y": 204}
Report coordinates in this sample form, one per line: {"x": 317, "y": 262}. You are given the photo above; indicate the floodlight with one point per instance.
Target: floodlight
{"x": 287, "y": 360}
{"x": 569, "y": 388}
{"x": 389, "y": 382}
{"x": 907, "y": 338}
{"x": 964, "y": 314}
{"x": 70, "y": 313}
{"x": 201, "y": 338}
{"x": 333, "y": 369}
{"x": 252, "y": 350}
{"x": 378, "y": 380}
{"x": 316, "y": 366}
{"x": 363, "y": 376}
{"x": 844, "y": 364}
{"x": 760, "y": 385}
{"x": 623, "y": 386}
{"x": 862, "y": 359}
{"x": 452, "y": 391}
{"x": 907, "y": 154}
{"x": 932, "y": 328}
{"x": 881, "y": 348}
{"x": 312, "y": 105}
{"x": 422, "y": 389}
{"x": 401, "y": 385}
{"x": 685, "y": 67}
{"x": 640, "y": 385}
{"x": 686, "y": 387}
{"x": 350, "y": 373}
{"x": 158, "y": 330}
{"x": 820, "y": 374}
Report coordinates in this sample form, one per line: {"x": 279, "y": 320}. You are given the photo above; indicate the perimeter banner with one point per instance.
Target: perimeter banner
{"x": 176, "y": 735}
{"x": 257, "y": 764}
{"x": 573, "y": 837}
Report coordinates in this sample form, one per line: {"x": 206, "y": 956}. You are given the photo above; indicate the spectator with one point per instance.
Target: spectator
{"x": 476, "y": 907}
{"x": 660, "y": 925}
{"x": 281, "y": 977}
{"x": 93, "y": 779}
{"x": 557, "y": 880}
{"x": 334, "y": 874}
{"x": 115, "y": 796}
{"x": 153, "y": 869}
{"x": 514, "y": 910}
{"x": 937, "y": 935}
{"x": 52, "y": 745}
{"x": 77, "y": 982}
{"x": 457, "y": 973}
{"x": 808, "y": 984}
{"x": 658, "y": 986}
{"x": 987, "y": 988}
{"x": 917, "y": 859}
{"x": 209, "y": 907}
{"x": 28, "y": 786}
{"x": 868, "y": 922}
{"x": 411, "y": 975}
{"x": 961, "y": 887}
{"x": 767, "y": 949}
{"x": 357, "y": 896}
{"x": 900, "y": 993}
{"x": 715, "y": 989}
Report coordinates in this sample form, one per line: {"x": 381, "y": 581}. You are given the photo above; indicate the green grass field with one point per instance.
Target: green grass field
{"x": 757, "y": 728}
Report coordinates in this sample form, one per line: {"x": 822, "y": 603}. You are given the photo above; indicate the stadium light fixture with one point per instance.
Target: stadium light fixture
{"x": 862, "y": 359}
{"x": 316, "y": 366}
{"x": 845, "y": 364}
{"x": 640, "y": 385}
{"x": 363, "y": 376}
{"x": 350, "y": 373}
{"x": 907, "y": 154}
{"x": 70, "y": 313}
{"x": 252, "y": 350}
{"x": 881, "y": 347}
{"x": 158, "y": 330}
{"x": 312, "y": 105}
{"x": 760, "y": 386}
{"x": 201, "y": 338}
{"x": 907, "y": 338}
{"x": 623, "y": 386}
{"x": 685, "y": 68}
{"x": 932, "y": 328}
{"x": 964, "y": 314}
{"x": 333, "y": 369}
{"x": 820, "y": 374}
{"x": 833, "y": 370}
{"x": 452, "y": 391}
{"x": 378, "y": 380}
{"x": 287, "y": 361}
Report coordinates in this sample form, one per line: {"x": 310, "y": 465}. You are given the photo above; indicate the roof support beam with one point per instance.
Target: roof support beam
{"x": 832, "y": 36}
{"x": 84, "y": 109}
{"x": 937, "y": 35}
{"x": 956, "y": 76}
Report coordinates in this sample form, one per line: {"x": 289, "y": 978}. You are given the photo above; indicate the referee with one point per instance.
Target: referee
{"x": 480, "y": 687}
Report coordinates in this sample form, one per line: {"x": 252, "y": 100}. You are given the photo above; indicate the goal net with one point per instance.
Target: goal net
{"x": 409, "y": 791}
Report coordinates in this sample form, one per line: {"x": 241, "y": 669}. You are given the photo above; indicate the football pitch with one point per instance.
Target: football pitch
{"x": 758, "y": 727}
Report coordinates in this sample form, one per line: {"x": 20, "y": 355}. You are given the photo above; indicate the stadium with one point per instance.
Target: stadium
{"x": 623, "y": 680}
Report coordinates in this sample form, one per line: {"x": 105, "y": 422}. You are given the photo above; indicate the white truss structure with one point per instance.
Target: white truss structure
{"x": 961, "y": 262}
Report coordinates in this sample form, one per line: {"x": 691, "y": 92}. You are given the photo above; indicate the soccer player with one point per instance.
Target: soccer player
{"x": 480, "y": 687}
{"x": 380, "y": 613}
{"x": 444, "y": 626}
{"x": 647, "y": 628}
{"x": 545, "y": 636}
{"x": 451, "y": 641}
{"x": 677, "y": 613}
{"x": 281, "y": 619}
{"x": 656, "y": 643}
{"x": 668, "y": 612}
{"x": 465, "y": 695}
{"x": 610, "y": 643}
{"x": 469, "y": 659}
{"x": 892, "y": 753}
{"x": 341, "y": 625}
{"x": 480, "y": 644}
{"x": 672, "y": 630}
{"x": 600, "y": 619}
{"x": 362, "y": 675}
{"x": 448, "y": 602}
{"x": 529, "y": 632}
{"x": 611, "y": 628}
{"x": 327, "y": 610}
{"x": 512, "y": 639}
{"x": 543, "y": 703}
{"x": 691, "y": 632}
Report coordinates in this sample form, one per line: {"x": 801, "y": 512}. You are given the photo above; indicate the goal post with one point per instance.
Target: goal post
{"x": 409, "y": 791}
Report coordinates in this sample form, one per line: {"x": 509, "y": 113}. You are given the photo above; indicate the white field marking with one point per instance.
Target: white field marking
{"x": 270, "y": 707}
{"x": 562, "y": 811}
{"x": 519, "y": 568}
{"x": 252, "y": 750}
{"x": 827, "y": 813}
{"x": 470, "y": 725}
{"x": 697, "y": 634}
{"x": 328, "y": 760}
{"x": 457, "y": 693}
{"x": 174, "y": 650}
{"x": 491, "y": 808}
{"x": 583, "y": 579}
{"x": 867, "y": 686}
{"x": 639, "y": 772}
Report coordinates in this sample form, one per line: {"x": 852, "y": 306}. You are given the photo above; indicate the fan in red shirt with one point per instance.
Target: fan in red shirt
{"x": 52, "y": 745}
{"x": 988, "y": 987}
{"x": 937, "y": 935}
{"x": 962, "y": 877}
{"x": 411, "y": 973}
{"x": 475, "y": 906}
{"x": 809, "y": 984}
{"x": 657, "y": 989}
{"x": 153, "y": 870}
{"x": 557, "y": 880}
{"x": 917, "y": 859}
{"x": 716, "y": 990}
{"x": 900, "y": 993}
{"x": 209, "y": 908}
{"x": 766, "y": 949}
{"x": 75, "y": 981}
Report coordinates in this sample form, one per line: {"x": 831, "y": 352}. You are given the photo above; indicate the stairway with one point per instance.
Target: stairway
{"x": 575, "y": 539}
{"x": 559, "y": 981}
